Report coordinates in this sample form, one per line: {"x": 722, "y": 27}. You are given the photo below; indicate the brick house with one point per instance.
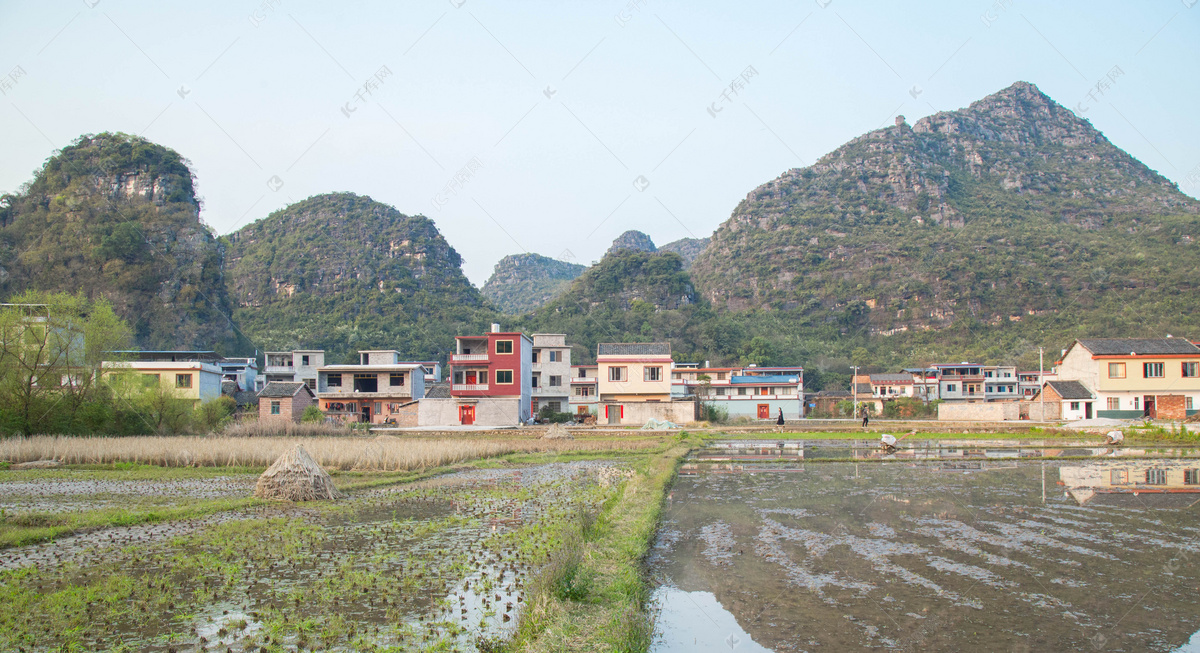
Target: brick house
{"x": 282, "y": 400}
{"x": 1072, "y": 400}
{"x": 490, "y": 382}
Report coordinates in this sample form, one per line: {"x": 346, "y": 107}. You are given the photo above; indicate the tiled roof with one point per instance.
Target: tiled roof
{"x": 1141, "y": 346}
{"x": 438, "y": 390}
{"x": 891, "y": 378}
{"x": 633, "y": 349}
{"x": 1070, "y": 389}
{"x": 276, "y": 389}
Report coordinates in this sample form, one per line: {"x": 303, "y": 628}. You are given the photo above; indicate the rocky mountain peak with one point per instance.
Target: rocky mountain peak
{"x": 634, "y": 240}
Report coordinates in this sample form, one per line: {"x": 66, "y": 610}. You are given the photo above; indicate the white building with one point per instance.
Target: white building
{"x": 551, "y": 373}
{"x": 299, "y": 365}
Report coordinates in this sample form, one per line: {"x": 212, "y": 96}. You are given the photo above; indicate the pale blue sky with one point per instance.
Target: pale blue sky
{"x": 559, "y": 107}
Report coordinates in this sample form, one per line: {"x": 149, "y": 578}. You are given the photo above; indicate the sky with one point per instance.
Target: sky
{"x": 553, "y": 127}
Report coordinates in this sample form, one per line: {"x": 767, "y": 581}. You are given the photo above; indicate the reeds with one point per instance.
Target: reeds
{"x": 342, "y": 453}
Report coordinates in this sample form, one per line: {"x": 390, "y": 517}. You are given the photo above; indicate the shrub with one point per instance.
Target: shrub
{"x": 714, "y": 413}
{"x": 213, "y": 414}
{"x": 312, "y": 415}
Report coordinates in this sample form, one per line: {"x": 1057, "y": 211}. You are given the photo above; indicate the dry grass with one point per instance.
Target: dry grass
{"x": 275, "y": 428}
{"x": 385, "y": 453}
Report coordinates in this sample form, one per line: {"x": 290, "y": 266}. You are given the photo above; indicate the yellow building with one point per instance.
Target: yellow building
{"x": 194, "y": 375}
{"x": 1136, "y": 377}
{"x": 634, "y": 371}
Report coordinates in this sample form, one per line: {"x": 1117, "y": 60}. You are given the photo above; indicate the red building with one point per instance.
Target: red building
{"x": 490, "y": 378}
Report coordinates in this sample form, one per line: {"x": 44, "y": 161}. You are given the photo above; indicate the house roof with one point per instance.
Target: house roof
{"x": 864, "y": 388}
{"x": 1138, "y": 346}
{"x": 279, "y": 389}
{"x": 633, "y": 349}
{"x": 1070, "y": 389}
{"x": 760, "y": 379}
{"x": 891, "y": 378}
{"x": 440, "y": 390}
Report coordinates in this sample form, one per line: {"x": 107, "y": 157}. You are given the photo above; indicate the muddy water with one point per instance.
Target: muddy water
{"x": 998, "y": 555}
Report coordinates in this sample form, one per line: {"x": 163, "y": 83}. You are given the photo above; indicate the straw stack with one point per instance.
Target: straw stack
{"x": 295, "y": 476}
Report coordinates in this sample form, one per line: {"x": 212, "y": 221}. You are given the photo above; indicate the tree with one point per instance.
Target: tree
{"x": 51, "y": 349}
{"x": 312, "y": 415}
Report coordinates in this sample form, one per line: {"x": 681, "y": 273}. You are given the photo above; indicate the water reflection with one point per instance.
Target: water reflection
{"x": 965, "y": 552}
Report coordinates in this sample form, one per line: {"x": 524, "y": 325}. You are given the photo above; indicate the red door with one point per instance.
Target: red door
{"x": 466, "y": 415}
{"x": 764, "y": 411}
{"x": 470, "y": 378}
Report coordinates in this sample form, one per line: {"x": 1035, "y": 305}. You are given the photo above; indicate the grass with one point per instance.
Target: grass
{"x": 593, "y": 594}
{"x": 383, "y": 453}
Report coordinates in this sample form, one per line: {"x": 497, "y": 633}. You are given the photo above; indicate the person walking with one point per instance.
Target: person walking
{"x": 865, "y": 417}
{"x": 780, "y": 420}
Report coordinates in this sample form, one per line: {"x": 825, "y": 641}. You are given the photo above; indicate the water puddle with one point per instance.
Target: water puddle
{"x": 948, "y": 548}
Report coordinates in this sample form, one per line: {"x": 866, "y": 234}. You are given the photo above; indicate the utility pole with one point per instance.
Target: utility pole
{"x": 1041, "y": 385}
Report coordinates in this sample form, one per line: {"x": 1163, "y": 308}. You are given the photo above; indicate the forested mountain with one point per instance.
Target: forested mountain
{"x": 633, "y": 240}
{"x": 523, "y": 282}
{"x": 116, "y": 216}
{"x": 687, "y": 249}
{"x": 343, "y": 272}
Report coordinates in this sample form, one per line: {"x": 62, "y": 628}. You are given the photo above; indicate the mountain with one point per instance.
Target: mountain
{"x": 523, "y": 282}
{"x": 343, "y": 272}
{"x": 634, "y": 240}
{"x": 1010, "y": 220}
{"x": 116, "y": 216}
{"x": 629, "y": 296}
{"x": 687, "y": 249}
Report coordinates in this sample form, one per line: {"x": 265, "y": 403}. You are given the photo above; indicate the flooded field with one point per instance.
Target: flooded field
{"x": 442, "y": 564}
{"x": 969, "y": 549}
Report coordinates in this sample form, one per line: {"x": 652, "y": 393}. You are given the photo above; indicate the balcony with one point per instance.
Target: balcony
{"x": 584, "y": 379}
{"x": 469, "y": 387}
{"x": 467, "y": 358}
{"x": 279, "y": 369}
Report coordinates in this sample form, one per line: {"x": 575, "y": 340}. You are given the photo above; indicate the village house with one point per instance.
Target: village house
{"x": 1069, "y": 400}
{"x": 550, "y": 373}
{"x": 585, "y": 394}
{"x": 1136, "y": 377}
{"x": 925, "y": 383}
{"x": 1134, "y": 483}
{"x": 972, "y": 382}
{"x": 433, "y": 371}
{"x": 299, "y": 365}
{"x": 243, "y": 372}
{"x": 284, "y": 401}
{"x": 634, "y": 383}
{"x": 1028, "y": 383}
{"x": 193, "y": 375}
{"x": 490, "y": 382}
{"x": 380, "y": 389}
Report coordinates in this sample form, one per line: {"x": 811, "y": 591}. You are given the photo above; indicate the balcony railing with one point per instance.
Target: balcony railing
{"x": 584, "y": 379}
{"x": 468, "y": 387}
{"x": 278, "y": 369}
{"x": 462, "y": 358}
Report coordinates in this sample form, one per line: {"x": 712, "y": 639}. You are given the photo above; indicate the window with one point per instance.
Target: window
{"x": 741, "y": 392}
{"x": 396, "y": 380}
{"x": 458, "y": 377}
{"x": 1189, "y": 370}
{"x": 304, "y": 360}
{"x": 274, "y": 407}
{"x": 1114, "y": 403}
{"x": 950, "y": 387}
{"x": 652, "y": 373}
{"x": 311, "y": 383}
{"x": 1187, "y": 403}
{"x": 1152, "y": 370}
{"x": 365, "y": 359}
{"x": 987, "y": 375}
{"x": 334, "y": 380}
{"x": 534, "y": 381}
{"x": 378, "y": 408}
{"x": 555, "y": 356}
{"x": 483, "y": 377}
{"x": 504, "y": 377}
{"x": 785, "y": 391}
{"x": 1116, "y": 477}
{"x": 555, "y": 406}
{"x": 555, "y": 381}
{"x": 183, "y": 380}
{"x": 1191, "y": 477}
{"x": 1156, "y": 477}
{"x": 720, "y": 376}
{"x": 1116, "y": 370}
{"x": 1135, "y": 403}
{"x": 720, "y": 392}
{"x": 504, "y": 347}
{"x": 584, "y": 391}
{"x": 1074, "y": 405}
{"x": 616, "y": 374}
{"x": 535, "y": 355}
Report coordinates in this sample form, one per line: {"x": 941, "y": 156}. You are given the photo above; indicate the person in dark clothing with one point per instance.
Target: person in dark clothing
{"x": 780, "y": 420}
{"x": 865, "y": 417}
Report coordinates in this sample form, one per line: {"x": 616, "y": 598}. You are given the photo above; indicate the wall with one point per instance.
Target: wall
{"x": 749, "y": 408}
{"x": 290, "y": 408}
{"x": 1169, "y": 407}
{"x": 993, "y": 412}
{"x": 489, "y": 411}
{"x": 638, "y": 413}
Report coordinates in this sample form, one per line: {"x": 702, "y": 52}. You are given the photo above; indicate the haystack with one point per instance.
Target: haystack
{"x": 295, "y": 476}
{"x": 557, "y": 432}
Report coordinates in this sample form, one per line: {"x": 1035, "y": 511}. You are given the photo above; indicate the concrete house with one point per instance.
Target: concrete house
{"x": 1136, "y": 377}
{"x": 973, "y": 382}
{"x": 297, "y": 365}
{"x": 490, "y": 382}
{"x": 284, "y": 401}
{"x": 550, "y": 373}
{"x": 381, "y": 389}
{"x": 193, "y": 375}
{"x": 634, "y": 382}
{"x": 585, "y": 393}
